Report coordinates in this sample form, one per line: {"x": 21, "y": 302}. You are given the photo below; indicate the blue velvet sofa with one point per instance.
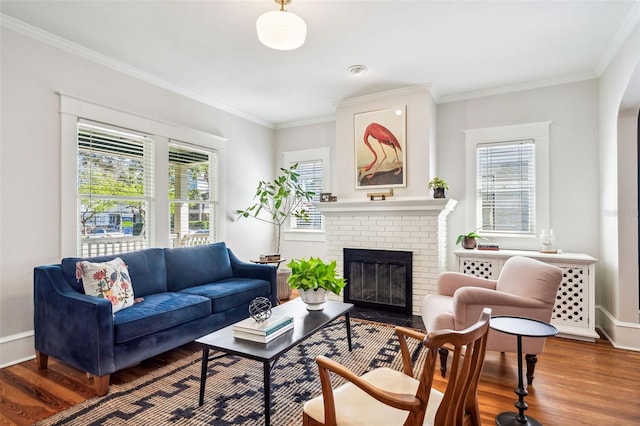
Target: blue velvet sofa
{"x": 187, "y": 293}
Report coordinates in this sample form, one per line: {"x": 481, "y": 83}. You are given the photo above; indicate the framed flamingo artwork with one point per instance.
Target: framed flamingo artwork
{"x": 381, "y": 148}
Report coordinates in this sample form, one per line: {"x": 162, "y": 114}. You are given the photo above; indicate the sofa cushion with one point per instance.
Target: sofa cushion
{"x": 158, "y": 312}
{"x": 226, "y": 294}
{"x": 146, "y": 269}
{"x": 108, "y": 280}
{"x": 191, "y": 266}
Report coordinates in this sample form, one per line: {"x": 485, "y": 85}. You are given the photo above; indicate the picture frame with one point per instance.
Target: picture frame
{"x": 325, "y": 197}
{"x": 380, "y": 148}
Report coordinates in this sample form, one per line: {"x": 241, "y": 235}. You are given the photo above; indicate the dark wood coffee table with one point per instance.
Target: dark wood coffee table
{"x": 305, "y": 324}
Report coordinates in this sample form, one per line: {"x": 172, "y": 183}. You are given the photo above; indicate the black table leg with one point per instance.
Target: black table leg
{"x": 267, "y": 392}
{"x": 347, "y": 320}
{"x": 519, "y": 418}
{"x": 203, "y": 374}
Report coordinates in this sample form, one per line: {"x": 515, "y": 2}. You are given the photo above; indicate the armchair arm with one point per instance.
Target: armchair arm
{"x": 258, "y": 271}
{"x": 403, "y": 333}
{"x": 325, "y": 365}
{"x": 468, "y": 302}
{"x": 70, "y": 326}
{"x": 449, "y": 282}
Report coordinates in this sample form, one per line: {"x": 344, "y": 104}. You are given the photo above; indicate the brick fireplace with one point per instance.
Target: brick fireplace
{"x": 416, "y": 225}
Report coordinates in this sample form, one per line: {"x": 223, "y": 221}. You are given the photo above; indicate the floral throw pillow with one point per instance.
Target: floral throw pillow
{"x": 109, "y": 280}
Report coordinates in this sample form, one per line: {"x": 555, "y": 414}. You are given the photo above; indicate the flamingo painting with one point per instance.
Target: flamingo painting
{"x": 385, "y": 138}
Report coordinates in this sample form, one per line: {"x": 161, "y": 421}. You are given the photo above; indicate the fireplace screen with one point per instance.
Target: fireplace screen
{"x": 378, "y": 279}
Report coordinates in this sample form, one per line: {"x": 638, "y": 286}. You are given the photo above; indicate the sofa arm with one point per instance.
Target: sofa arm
{"x": 449, "y": 282}
{"x": 70, "y": 326}
{"x": 257, "y": 271}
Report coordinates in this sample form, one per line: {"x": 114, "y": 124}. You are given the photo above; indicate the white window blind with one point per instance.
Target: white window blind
{"x": 311, "y": 175}
{"x": 506, "y": 189}
{"x": 115, "y": 188}
{"x": 193, "y": 194}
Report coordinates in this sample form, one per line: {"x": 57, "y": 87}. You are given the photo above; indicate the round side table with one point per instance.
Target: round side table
{"x": 520, "y": 327}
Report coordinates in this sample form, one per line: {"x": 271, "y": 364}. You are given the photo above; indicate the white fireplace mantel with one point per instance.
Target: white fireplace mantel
{"x": 421, "y": 206}
{"x": 418, "y": 225}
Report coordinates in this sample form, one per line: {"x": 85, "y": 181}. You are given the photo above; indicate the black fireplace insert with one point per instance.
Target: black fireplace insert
{"x": 379, "y": 279}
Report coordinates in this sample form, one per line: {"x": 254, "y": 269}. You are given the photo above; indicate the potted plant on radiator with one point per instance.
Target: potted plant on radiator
{"x": 314, "y": 278}
{"x": 468, "y": 240}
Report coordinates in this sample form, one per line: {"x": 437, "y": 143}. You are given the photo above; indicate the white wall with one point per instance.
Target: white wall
{"x": 628, "y": 213}
{"x": 30, "y": 165}
{"x": 318, "y": 135}
{"x": 619, "y": 289}
{"x": 573, "y": 154}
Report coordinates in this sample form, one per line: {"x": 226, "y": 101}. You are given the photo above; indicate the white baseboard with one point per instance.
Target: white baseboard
{"x": 621, "y": 334}
{"x": 16, "y": 348}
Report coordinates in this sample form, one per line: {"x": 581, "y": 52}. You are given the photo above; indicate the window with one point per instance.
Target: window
{"x": 115, "y": 188}
{"x": 506, "y": 187}
{"x": 123, "y": 182}
{"x": 314, "y": 171}
{"x": 311, "y": 177}
{"x": 507, "y": 181}
{"x": 192, "y": 195}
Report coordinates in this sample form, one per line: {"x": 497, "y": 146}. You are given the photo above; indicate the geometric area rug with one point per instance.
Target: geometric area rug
{"x": 234, "y": 392}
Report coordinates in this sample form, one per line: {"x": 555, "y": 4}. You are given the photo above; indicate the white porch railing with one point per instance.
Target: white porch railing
{"x": 116, "y": 245}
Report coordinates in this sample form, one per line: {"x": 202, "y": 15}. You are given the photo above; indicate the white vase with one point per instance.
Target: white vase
{"x": 314, "y": 299}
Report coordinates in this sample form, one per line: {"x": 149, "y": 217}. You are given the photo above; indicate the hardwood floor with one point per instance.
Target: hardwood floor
{"x": 575, "y": 383}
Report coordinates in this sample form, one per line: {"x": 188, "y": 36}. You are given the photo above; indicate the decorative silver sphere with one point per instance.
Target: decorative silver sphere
{"x": 260, "y": 309}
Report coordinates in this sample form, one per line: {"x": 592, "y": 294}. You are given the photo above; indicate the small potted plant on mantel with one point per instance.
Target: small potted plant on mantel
{"x": 314, "y": 278}
{"x": 468, "y": 240}
{"x": 439, "y": 187}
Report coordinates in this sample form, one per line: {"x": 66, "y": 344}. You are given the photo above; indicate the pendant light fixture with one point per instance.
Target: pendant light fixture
{"x": 281, "y": 30}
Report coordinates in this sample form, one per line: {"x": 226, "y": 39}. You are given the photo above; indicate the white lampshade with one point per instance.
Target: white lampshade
{"x": 281, "y": 30}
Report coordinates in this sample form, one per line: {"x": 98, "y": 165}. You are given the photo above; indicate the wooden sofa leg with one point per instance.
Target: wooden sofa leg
{"x": 42, "y": 359}
{"x": 444, "y": 354}
{"x": 531, "y": 366}
{"x": 101, "y": 385}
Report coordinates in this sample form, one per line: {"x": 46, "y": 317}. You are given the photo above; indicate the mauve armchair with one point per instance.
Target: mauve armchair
{"x": 526, "y": 287}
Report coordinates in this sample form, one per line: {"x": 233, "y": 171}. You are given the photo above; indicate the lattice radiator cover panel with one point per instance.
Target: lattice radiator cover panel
{"x": 479, "y": 268}
{"x": 570, "y": 301}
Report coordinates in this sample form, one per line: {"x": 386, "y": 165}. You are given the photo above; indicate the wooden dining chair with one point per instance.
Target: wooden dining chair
{"x": 387, "y": 397}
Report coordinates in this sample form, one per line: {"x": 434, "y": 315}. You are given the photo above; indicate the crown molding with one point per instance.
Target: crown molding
{"x": 35, "y": 33}
{"x": 411, "y": 90}
{"x": 618, "y": 39}
{"x": 517, "y": 87}
{"x": 306, "y": 122}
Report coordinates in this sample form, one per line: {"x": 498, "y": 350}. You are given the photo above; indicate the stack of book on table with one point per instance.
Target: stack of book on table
{"x": 264, "y": 331}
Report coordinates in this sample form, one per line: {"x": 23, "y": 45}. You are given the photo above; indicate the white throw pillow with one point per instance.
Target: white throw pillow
{"x": 109, "y": 280}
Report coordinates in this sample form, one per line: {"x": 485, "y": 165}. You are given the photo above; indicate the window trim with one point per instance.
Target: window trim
{"x": 291, "y": 157}
{"x": 72, "y": 109}
{"x": 539, "y": 132}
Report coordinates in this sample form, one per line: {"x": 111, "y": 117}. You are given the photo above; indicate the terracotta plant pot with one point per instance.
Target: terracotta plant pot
{"x": 469, "y": 243}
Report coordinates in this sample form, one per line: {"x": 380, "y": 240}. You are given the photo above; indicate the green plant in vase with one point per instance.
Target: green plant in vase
{"x": 439, "y": 187}
{"x": 468, "y": 240}
{"x": 313, "y": 278}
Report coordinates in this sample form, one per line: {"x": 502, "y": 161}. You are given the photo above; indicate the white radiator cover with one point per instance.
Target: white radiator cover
{"x": 417, "y": 225}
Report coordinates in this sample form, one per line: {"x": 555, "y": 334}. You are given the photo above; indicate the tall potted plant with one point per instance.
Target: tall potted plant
{"x": 275, "y": 202}
{"x": 314, "y": 278}
{"x": 278, "y": 200}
